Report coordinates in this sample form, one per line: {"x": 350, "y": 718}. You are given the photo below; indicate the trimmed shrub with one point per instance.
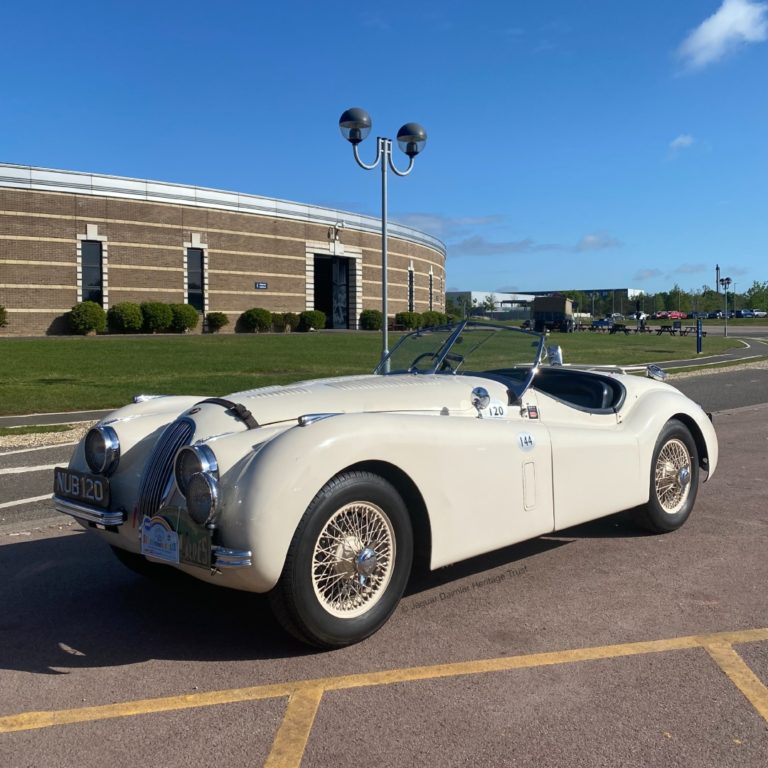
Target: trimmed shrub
{"x": 431, "y": 318}
{"x": 3, "y": 317}
{"x": 278, "y": 322}
{"x": 311, "y": 318}
{"x": 256, "y": 319}
{"x": 185, "y": 317}
{"x": 157, "y": 316}
{"x": 125, "y": 318}
{"x": 409, "y": 320}
{"x": 370, "y": 320}
{"x": 291, "y": 321}
{"x": 216, "y": 321}
{"x": 88, "y": 317}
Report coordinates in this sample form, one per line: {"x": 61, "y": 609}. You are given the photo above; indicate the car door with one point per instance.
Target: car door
{"x": 493, "y": 485}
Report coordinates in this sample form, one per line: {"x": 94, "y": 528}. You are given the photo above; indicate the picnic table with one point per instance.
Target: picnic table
{"x": 670, "y": 329}
{"x": 620, "y": 328}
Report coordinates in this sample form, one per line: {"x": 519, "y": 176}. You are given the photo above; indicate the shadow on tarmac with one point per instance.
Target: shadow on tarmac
{"x": 87, "y": 610}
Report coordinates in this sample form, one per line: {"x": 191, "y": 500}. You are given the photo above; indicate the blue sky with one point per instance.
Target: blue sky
{"x": 609, "y": 143}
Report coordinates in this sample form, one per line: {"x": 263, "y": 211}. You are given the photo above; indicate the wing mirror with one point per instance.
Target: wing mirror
{"x": 654, "y": 372}
{"x": 555, "y": 355}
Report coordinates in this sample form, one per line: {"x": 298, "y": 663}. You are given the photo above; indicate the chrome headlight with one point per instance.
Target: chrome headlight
{"x": 102, "y": 450}
{"x": 191, "y": 460}
{"x": 202, "y": 498}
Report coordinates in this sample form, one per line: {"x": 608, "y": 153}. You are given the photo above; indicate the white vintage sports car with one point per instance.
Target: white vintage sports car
{"x": 321, "y": 493}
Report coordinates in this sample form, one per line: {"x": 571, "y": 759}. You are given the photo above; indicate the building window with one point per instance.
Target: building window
{"x": 411, "y": 300}
{"x": 93, "y": 271}
{"x": 195, "y": 293}
{"x": 431, "y": 290}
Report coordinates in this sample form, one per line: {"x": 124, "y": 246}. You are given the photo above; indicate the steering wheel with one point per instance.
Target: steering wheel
{"x": 451, "y": 362}
{"x": 413, "y": 368}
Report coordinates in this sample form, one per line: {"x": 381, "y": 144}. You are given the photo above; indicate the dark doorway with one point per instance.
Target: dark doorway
{"x": 332, "y": 290}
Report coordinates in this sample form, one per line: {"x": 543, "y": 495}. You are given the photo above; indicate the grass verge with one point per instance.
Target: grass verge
{"x": 82, "y": 373}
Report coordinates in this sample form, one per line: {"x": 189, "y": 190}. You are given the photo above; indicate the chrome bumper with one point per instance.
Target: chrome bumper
{"x": 89, "y": 514}
{"x": 230, "y": 558}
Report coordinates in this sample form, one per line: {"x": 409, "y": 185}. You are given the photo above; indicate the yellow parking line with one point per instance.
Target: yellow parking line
{"x": 740, "y": 675}
{"x": 291, "y": 739}
{"x": 306, "y": 694}
{"x": 29, "y": 721}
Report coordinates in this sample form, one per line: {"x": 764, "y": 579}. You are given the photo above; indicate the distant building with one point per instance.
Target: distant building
{"x": 476, "y": 299}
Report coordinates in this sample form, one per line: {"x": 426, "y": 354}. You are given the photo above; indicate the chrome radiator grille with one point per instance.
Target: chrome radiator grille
{"x": 159, "y": 468}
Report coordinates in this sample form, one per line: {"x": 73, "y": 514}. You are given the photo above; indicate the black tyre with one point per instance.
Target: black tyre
{"x": 674, "y": 480}
{"x": 348, "y": 562}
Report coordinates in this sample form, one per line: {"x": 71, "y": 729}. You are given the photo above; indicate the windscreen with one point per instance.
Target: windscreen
{"x": 468, "y": 348}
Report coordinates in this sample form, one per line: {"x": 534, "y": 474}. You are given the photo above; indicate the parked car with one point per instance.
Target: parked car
{"x": 674, "y": 314}
{"x": 716, "y": 315}
{"x": 760, "y": 313}
{"x": 744, "y": 313}
{"x": 603, "y": 322}
{"x": 321, "y": 493}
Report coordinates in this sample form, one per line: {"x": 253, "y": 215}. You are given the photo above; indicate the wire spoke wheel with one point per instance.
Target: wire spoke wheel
{"x": 353, "y": 559}
{"x": 673, "y": 476}
{"x": 674, "y": 480}
{"x": 348, "y": 562}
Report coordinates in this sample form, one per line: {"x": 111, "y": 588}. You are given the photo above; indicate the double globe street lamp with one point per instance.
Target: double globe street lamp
{"x": 725, "y": 282}
{"x": 355, "y": 125}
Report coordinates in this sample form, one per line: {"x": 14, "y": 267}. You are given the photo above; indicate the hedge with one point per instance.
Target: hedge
{"x": 256, "y": 319}
{"x": 87, "y": 317}
{"x": 409, "y": 320}
{"x": 430, "y": 318}
{"x": 157, "y": 317}
{"x": 311, "y": 319}
{"x": 185, "y": 317}
{"x": 370, "y": 320}
{"x": 125, "y": 318}
{"x": 216, "y": 321}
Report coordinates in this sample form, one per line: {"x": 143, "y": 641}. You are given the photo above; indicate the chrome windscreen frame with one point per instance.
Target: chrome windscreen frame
{"x": 444, "y": 350}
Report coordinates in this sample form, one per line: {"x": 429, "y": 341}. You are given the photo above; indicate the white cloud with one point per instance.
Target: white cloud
{"x": 481, "y": 246}
{"x": 646, "y": 274}
{"x": 445, "y": 226}
{"x": 596, "y": 241}
{"x": 683, "y": 141}
{"x": 735, "y": 23}
{"x": 691, "y": 269}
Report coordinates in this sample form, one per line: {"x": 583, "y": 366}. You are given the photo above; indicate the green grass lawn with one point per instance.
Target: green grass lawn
{"x": 82, "y": 373}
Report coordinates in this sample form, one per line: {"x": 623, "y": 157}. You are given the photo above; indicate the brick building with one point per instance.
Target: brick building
{"x": 66, "y": 237}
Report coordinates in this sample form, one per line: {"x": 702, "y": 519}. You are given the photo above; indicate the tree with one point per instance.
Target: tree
{"x": 489, "y": 303}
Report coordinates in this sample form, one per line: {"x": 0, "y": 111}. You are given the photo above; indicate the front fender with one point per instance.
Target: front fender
{"x": 655, "y": 408}
{"x": 277, "y": 483}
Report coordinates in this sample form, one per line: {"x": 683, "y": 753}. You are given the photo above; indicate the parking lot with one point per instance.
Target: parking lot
{"x": 595, "y": 646}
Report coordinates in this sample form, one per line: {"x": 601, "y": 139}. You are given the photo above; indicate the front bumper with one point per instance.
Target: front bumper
{"x": 221, "y": 557}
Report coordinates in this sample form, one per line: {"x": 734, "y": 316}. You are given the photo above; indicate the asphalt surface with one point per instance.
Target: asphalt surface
{"x": 175, "y": 675}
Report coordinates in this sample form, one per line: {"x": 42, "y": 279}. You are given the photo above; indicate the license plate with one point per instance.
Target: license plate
{"x": 159, "y": 540}
{"x": 78, "y": 486}
{"x": 170, "y": 536}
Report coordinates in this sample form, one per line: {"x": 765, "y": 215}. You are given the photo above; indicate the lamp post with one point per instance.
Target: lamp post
{"x": 355, "y": 125}
{"x": 725, "y": 282}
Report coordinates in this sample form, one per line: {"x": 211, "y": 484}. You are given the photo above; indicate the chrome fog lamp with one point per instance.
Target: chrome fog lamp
{"x": 102, "y": 450}
{"x": 202, "y": 498}
{"x": 191, "y": 460}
